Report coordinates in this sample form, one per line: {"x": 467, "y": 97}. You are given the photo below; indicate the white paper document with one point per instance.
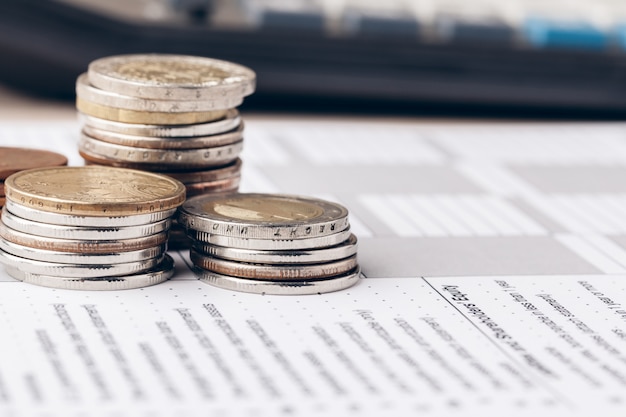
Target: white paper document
{"x": 494, "y": 262}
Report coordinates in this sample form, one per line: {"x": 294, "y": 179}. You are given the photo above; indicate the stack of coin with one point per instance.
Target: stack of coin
{"x": 172, "y": 114}
{"x": 271, "y": 244}
{"x": 13, "y": 160}
{"x": 88, "y": 227}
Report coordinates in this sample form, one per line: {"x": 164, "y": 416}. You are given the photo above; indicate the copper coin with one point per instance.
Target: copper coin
{"x": 2, "y": 200}
{"x": 13, "y": 160}
{"x": 78, "y": 245}
{"x": 1, "y": 188}
{"x": 220, "y": 173}
{"x": 272, "y": 272}
{"x": 222, "y": 186}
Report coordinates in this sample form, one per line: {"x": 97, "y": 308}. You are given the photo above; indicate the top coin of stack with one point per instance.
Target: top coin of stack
{"x": 271, "y": 244}
{"x": 172, "y": 114}
{"x": 13, "y": 160}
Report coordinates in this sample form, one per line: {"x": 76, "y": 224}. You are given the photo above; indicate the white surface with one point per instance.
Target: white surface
{"x": 396, "y": 344}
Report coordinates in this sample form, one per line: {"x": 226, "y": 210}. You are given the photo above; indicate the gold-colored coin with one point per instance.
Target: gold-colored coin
{"x": 94, "y": 191}
{"x": 143, "y": 117}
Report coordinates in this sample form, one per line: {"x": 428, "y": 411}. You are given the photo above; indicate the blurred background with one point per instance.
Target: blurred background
{"x": 537, "y": 58}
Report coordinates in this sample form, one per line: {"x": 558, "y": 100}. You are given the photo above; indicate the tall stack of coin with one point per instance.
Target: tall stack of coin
{"x": 88, "y": 227}
{"x": 13, "y": 160}
{"x": 172, "y": 114}
{"x": 271, "y": 244}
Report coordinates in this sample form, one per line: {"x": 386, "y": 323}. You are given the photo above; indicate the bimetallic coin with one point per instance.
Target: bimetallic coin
{"x": 274, "y": 272}
{"x": 78, "y": 270}
{"x": 230, "y": 122}
{"x": 95, "y": 95}
{"x": 171, "y": 77}
{"x": 79, "y": 258}
{"x": 263, "y": 216}
{"x": 91, "y": 221}
{"x": 160, "y": 273}
{"x": 310, "y": 256}
{"x": 227, "y": 186}
{"x": 197, "y": 142}
{"x": 94, "y": 191}
{"x": 83, "y": 232}
{"x": 13, "y": 160}
{"x": 309, "y": 287}
{"x": 81, "y": 246}
{"x": 143, "y": 117}
{"x": 215, "y": 174}
{"x": 270, "y": 244}
{"x": 179, "y": 159}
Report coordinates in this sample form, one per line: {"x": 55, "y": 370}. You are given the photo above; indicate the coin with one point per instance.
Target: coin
{"x": 2, "y": 201}
{"x": 304, "y": 256}
{"x": 29, "y": 213}
{"x": 309, "y": 287}
{"x": 215, "y": 174}
{"x": 263, "y": 216}
{"x": 272, "y": 272}
{"x": 230, "y": 122}
{"x": 78, "y": 245}
{"x": 95, "y": 95}
{"x": 76, "y": 270}
{"x": 197, "y": 142}
{"x": 171, "y": 77}
{"x": 144, "y": 117}
{"x": 94, "y": 191}
{"x": 46, "y": 255}
{"x": 18, "y": 159}
{"x": 180, "y": 158}
{"x": 160, "y": 273}
{"x": 270, "y": 244}
{"x": 228, "y": 185}
{"x": 83, "y": 232}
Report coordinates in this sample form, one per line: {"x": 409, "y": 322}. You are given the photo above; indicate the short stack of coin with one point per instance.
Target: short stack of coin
{"x": 13, "y": 160}
{"x": 92, "y": 228}
{"x": 172, "y": 114}
{"x": 271, "y": 244}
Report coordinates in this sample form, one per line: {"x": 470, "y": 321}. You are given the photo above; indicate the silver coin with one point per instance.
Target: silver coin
{"x": 307, "y": 256}
{"x": 270, "y": 244}
{"x": 177, "y": 159}
{"x": 83, "y": 232}
{"x": 273, "y": 272}
{"x": 76, "y": 270}
{"x": 230, "y": 122}
{"x": 160, "y": 273}
{"x": 263, "y": 216}
{"x": 92, "y": 221}
{"x": 171, "y": 77}
{"x": 309, "y": 287}
{"x": 45, "y": 255}
{"x": 81, "y": 246}
{"x": 197, "y": 142}
{"x": 89, "y": 93}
